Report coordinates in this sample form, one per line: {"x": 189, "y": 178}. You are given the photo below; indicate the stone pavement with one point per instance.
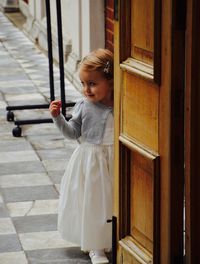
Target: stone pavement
{"x": 31, "y": 166}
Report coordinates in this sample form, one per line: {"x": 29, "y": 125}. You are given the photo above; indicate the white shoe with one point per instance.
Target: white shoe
{"x": 98, "y": 258}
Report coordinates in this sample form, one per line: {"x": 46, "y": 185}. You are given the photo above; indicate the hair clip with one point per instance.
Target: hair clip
{"x": 107, "y": 67}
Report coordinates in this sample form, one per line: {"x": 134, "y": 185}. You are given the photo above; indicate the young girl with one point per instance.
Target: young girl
{"x": 86, "y": 188}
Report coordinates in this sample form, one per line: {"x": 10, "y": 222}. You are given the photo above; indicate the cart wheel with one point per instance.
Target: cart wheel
{"x": 17, "y": 131}
{"x": 10, "y": 116}
{"x": 68, "y": 117}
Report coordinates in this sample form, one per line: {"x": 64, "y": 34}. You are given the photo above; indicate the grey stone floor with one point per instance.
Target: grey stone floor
{"x": 31, "y": 166}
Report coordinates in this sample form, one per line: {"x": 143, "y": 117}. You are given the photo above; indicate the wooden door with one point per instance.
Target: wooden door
{"x": 149, "y": 160}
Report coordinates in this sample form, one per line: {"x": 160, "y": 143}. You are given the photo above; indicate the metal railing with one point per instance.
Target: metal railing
{"x": 10, "y": 115}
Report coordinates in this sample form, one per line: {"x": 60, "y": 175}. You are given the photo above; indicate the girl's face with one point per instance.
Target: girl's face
{"x": 96, "y": 88}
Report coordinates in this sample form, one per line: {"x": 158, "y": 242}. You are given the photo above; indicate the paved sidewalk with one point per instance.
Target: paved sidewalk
{"x": 31, "y": 166}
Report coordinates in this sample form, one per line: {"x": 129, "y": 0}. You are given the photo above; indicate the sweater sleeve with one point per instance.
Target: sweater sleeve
{"x": 72, "y": 128}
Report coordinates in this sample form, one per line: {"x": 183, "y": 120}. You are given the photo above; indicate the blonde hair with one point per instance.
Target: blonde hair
{"x": 99, "y": 60}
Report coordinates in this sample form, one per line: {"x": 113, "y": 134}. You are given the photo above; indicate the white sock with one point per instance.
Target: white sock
{"x": 99, "y": 252}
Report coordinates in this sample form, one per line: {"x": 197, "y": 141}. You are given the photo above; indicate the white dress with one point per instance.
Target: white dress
{"x": 86, "y": 194}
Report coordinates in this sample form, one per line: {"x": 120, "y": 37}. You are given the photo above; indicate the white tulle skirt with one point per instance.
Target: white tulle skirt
{"x": 86, "y": 196}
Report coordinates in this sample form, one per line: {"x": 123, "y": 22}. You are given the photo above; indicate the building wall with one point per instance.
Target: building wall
{"x": 86, "y": 25}
{"x": 83, "y": 29}
{"x": 109, "y": 24}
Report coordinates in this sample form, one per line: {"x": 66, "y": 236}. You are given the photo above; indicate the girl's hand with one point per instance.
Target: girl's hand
{"x": 54, "y": 108}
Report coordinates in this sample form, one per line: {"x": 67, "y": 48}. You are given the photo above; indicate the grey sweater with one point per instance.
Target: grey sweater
{"x": 88, "y": 122}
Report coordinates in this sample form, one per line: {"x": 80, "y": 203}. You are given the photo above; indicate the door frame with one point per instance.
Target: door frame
{"x": 192, "y": 132}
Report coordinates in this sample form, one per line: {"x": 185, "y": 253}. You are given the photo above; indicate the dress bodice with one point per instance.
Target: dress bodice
{"x": 108, "y": 137}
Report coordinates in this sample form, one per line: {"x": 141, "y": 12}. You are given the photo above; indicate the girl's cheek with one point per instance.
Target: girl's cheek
{"x": 83, "y": 91}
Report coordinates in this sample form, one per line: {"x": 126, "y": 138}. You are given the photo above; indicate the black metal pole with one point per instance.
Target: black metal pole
{"x": 61, "y": 55}
{"x": 114, "y": 238}
{"x": 50, "y": 56}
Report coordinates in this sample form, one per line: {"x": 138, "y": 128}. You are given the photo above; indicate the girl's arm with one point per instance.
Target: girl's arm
{"x": 69, "y": 129}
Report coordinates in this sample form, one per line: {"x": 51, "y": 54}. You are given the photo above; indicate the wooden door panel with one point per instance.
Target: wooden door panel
{"x": 140, "y": 37}
{"x": 139, "y": 199}
{"x": 139, "y": 111}
{"x": 142, "y": 31}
